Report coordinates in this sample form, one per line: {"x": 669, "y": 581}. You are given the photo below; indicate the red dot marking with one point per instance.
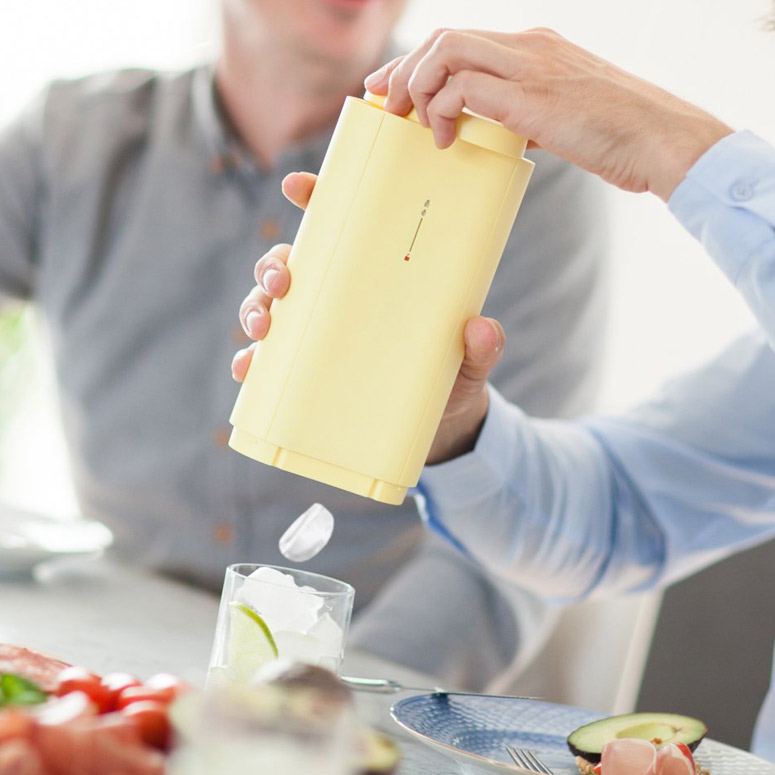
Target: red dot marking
{"x": 406, "y": 257}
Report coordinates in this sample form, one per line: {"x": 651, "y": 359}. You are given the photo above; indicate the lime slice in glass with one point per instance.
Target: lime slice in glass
{"x": 250, "y": 644}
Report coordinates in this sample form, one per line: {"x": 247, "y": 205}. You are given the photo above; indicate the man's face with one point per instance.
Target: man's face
{"x": 334, "y": 31}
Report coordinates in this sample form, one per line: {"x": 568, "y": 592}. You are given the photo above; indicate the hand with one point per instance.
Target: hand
{"x": 484, "y": 339}
{"x": 272, "y": 279}
{"x": 566, "y": 100}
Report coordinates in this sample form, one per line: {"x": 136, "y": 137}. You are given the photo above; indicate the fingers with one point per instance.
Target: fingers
{"x": 452, "y": 53}
{"x": 482, "y": 93}
{"x": 272, "y": 282}
{"x": 241, "y": 362}
{"x": 393, "y": 78}
{"x": 271, "y": 273}
{"x": 377, "y": 82}
{"x": 396, "y": 78}
{"x": 298, "y": 187}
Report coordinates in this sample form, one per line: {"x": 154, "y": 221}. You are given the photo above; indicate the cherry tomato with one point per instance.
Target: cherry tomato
{"x": 62, "y": 710}
{"x": 169, "y": 683}
{"x": 115, "y": 683}
{"x": 152, "y": 721}
{"x": 133, "y": 694}
{"x": 79, "y": 679}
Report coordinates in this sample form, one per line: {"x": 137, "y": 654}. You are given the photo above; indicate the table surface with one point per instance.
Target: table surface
{"x": 107, "y": 617}
{"x": 112, "y": 617}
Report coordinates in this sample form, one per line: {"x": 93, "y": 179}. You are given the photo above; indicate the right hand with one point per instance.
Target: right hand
{"x": 484, "y": 342}
{"x": 564, "y": 99}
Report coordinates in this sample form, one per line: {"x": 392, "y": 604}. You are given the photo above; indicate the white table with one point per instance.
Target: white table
{"x": 109, "y": 617}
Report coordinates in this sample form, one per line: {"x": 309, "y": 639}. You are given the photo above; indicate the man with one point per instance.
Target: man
{"x": 572, "y": 509}
{"x": 132, "y": 205}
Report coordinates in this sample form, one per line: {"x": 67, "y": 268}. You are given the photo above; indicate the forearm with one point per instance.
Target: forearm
{"x": 617, "y": 504}
{"x": 532, "y": 502}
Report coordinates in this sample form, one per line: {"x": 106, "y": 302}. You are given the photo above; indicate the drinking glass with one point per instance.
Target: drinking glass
{"x": 267, "y": 612}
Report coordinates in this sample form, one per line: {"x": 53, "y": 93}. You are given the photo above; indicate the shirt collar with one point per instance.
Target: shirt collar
{"x": 225, "y": 150}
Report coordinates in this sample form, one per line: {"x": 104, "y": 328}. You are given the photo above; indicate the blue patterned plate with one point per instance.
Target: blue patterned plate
{"x": 474, "y": 730}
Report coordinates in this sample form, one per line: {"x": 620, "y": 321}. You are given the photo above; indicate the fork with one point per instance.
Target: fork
{"x": 527, "y": 760}
{"x": 389, "y": 686}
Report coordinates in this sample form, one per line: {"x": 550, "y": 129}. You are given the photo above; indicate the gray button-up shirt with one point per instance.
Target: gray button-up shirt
{"x": 133, "y": 217}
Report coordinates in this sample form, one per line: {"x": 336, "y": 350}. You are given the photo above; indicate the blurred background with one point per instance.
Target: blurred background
{"x": 671, "y": 306}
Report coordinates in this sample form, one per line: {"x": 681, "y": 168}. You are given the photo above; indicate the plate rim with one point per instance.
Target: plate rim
{"x": 458, "y": 753}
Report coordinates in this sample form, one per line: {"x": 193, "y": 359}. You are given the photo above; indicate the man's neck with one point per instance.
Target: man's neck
{"x": 274, "y": 100}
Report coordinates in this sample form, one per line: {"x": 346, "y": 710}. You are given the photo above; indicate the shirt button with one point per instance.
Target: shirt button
{"x": 223, "y": 533}
{"x": 269, "y": 229}
{"x": 742, "y": 190}
{"x": 221, "y": 437}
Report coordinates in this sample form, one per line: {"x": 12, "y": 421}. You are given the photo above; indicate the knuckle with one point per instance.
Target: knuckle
{"x": 546, "y": 36}
{"x": 448, "y": 40}
{"x": 244, "y": 309}
{"x": 464, "y": 79}
{"x": 280, "y": 251}
{"x": 436, "y": 34}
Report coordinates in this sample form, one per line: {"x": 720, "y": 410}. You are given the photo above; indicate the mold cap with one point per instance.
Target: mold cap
{"x": 474, "y": 129}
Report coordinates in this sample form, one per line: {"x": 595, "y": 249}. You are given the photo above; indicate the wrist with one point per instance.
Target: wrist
{"x": 680, "y": 149}
{"x": 458, "y": 433}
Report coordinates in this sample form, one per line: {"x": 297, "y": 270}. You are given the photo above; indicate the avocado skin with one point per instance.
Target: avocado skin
{"x": 588, "y": 741}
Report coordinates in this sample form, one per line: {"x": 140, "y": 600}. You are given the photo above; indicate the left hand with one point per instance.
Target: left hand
{"x": 564, "y": 99}
{"x": 484, "y": 341}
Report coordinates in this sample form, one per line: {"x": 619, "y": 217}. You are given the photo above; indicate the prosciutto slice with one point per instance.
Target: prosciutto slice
{"x": 633, "y": 756}
{"x": 629, "y": 756}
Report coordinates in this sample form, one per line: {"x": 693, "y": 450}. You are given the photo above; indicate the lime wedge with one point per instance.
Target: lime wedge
{"x": 250, "y": 645}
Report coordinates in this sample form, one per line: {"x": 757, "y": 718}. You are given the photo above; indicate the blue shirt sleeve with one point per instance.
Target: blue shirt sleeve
{"x": 615, "y": 504}
{"x": 625, "y": 503}
{"x": 727, "y": 201}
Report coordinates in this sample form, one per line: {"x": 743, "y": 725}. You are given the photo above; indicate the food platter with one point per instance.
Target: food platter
{"x": 474, "y": 731}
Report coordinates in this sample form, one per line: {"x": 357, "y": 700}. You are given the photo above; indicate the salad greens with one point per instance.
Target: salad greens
{"x": 17, "y": 690}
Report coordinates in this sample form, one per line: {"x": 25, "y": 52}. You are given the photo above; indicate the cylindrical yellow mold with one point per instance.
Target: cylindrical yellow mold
{"x": 395, "y": 252}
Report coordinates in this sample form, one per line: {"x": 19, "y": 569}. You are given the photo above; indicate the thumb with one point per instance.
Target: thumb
{"x": 467, "y": 405}
{"x": 484, "y": 340}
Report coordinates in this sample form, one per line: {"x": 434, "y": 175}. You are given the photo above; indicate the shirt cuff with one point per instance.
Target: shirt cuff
{"x": 465, "y": 480}
{"x": 727, "y": 199}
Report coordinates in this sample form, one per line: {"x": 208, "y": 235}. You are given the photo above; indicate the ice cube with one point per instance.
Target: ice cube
{"x": 308, "y": 534}
{"x": 329, "y": 636}
{"x": 280, "y": 603}
{"x": 298, "y": 647}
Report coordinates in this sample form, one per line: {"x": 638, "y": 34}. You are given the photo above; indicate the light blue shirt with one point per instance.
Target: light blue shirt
{"x": 613, "y": 504}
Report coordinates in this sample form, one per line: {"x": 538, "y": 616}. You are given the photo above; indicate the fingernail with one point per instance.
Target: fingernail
{"x": 267, "y": 278}
{"x": 251, "y": 321}
{"x": 499, "y": 333}
{"x": 234, "y": 360}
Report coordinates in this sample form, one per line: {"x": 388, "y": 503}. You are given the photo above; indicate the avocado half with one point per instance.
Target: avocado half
{"x": 659, "y": 728}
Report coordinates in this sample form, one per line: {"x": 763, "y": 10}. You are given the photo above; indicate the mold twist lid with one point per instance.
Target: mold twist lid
{"x": 473, "y": 128}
